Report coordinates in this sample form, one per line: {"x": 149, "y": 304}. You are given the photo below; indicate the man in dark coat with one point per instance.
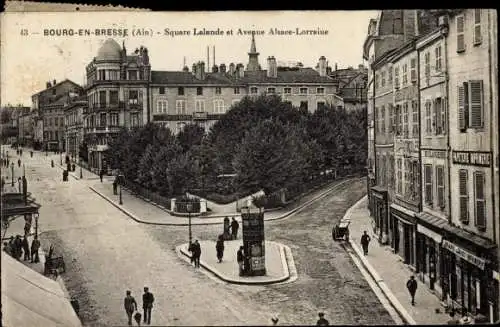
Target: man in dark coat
{"x": 234, "y": 229}
{"x": 18, "y": 246}
{"x": 130, "y": 306}
{"x": 411, "y": 285}
{"x": 196, "y": 253}
{"x": 26, "y": 248}
{"x": 322, "y": 321}
{"x": 240, "y": 258}
{"x": 35, "y": 245}
{"x": 219, "y": 247}
{"x": 365, "y": 240}
{"x": 101, "y": 174}
{"x": 147, "y": 305}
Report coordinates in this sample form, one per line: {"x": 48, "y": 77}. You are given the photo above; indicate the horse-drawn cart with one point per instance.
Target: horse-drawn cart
{"x": 341, "y": 231}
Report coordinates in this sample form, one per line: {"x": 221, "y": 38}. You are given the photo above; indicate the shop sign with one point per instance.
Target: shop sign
{"x": 472, "y": 158}
{"x": 476, "y": 261}
{"x": 441, "y": 154}
{"x": 429, "y": 233}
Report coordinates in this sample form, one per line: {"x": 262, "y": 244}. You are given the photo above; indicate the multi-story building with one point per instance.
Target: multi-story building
{"x": 73, "y": 121}
{"x": 117, "y": 96}
{"x": 25, "y": 127}
{"x": 48, "y": 106}
{"x": 472, "y": 249}
{"x": 352, "y": 86}
{"x": 178, "y": 98}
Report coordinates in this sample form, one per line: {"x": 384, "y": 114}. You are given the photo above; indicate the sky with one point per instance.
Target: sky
{"x": 31, "y": 55}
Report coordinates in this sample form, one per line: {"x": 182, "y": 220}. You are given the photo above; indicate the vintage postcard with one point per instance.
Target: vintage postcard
{"x": 249, "y": 168}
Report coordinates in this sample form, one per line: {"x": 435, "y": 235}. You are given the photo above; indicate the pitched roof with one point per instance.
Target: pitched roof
{"x": 58, "y": 84}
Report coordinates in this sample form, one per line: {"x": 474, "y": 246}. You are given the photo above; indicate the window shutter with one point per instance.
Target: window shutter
{"x": 391, "y": 118}
{"x": 462, "y": 107}
{"x": 438, "y": 108}
{"x": 428, "y": 184}
{"x": 464, "y": 196}
{"x": 440, "y": 186}
{"x": 140, "y": 96}
{"x": 480, "y": 212}
{"x": 476, "y": 103}
{"x": 413, "y": 70}
{"x": 477, "y": 27}
{"x": 444, "y": 110}
{"x": 460, "y": 33}
{"x": 435, "y": 114}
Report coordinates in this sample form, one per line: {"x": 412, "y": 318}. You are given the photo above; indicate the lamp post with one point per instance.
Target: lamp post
{"x": 60, "y": 156}
{"x": 36, "y": 224}
{"x": 80, "y": 164}
{"x": 120, "y": 184}
{"x": 189, "y": 207}
{"x": 12, "y": 168}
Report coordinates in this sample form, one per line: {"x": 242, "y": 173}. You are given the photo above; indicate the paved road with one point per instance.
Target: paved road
{"x": 106, "y": 252}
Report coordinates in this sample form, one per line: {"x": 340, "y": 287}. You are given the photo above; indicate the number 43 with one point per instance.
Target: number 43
{"x": 24, "y": 32}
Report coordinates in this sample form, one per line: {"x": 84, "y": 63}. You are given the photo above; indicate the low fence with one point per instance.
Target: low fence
{"x": 146, "y": 193}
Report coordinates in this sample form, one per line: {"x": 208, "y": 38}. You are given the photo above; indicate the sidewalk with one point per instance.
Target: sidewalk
{"x": 391, "y": 274}
{"x": 150, "y": 213}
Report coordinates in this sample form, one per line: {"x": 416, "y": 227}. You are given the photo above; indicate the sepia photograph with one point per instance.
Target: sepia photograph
{"x": 249, "y": 168}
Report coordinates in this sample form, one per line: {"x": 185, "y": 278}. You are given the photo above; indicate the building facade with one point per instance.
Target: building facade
{"x": 25, "y": 127}
{"x": 74, "y": 109}
{"x": 117, "y": 96}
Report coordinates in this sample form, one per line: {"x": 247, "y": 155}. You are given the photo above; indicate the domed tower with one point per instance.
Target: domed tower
{"x": 109, "y": 51}
{"x": 253, "y": 57}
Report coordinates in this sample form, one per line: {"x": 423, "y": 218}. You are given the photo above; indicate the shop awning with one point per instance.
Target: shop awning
{"x": 379, "y": 189}
{"x": 443, "y": 224}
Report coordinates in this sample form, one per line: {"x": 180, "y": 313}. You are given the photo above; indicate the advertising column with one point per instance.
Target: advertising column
{"x": 253, "y": 240}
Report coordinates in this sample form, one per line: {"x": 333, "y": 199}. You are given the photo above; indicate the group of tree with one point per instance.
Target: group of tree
{"x": 266, "y": 143}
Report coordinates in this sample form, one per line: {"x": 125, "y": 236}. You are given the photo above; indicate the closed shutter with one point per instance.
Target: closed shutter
{"x": 480, "y": 211}
{"x": 428, "y": 184}
{"x": 126, "y": 96}
{"x": 463, "y": 107}
{"x": 140, "y": 96}
{"x": 440, "y": 186}
{"x": 444, "y": 110}
{"x": 435, "y": 114}
{"x": 476, "y": 103}
{"x": 438, "y": 108}
{"x": 391, "y": 118}
{"x": 477, "y": 27}
{"x": 464, "y": 196}
{"x": 460, "y": 21}
{"x": 413, "y": 70}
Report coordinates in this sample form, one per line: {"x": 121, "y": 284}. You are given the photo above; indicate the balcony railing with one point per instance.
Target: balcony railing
{"x": 188, "y": 117}
{"x": 103, "y": 129}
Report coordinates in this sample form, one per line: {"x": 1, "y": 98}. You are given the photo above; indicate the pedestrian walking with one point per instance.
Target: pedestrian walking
{"x": 219, "y": 247}
{"x": 147, "y": 305}
{"x": 234, "y": 229}
{"x": 365, "y": 240}
{"x": 20, "y": 184}
{"x": 240, "y": 258}
{"x": 26, "y": 248}
{"x": 196, "y": 253}
{"x": 130, "y": 306}
{"x": 18, "y": 247}
{"x": 101, "y": 174}
{"x": 411, "y": 285}
{"x": 191, "y": 249}
{"x": 19, "y": 162}
{"x": 322, "y": 321}
{"x": 35, "y": 245}
{"x": 3, "y": 183}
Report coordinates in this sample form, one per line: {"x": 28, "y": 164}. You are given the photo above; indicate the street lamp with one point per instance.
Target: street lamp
{"x": 36, "y": 224}
{"x": 80, "y": 163}
{"x": 120, "y": 184}
{"x": 189, "y": 208}
{"x": 12, "y": 166}
{"x": 60, "y": 155}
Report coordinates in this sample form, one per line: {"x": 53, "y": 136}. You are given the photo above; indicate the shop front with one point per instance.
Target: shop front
{"x": 429, "y": 258}
{"x": 467, "y": 277}
{"x": 380, "y": 214}
{"x": 404, "y": 233}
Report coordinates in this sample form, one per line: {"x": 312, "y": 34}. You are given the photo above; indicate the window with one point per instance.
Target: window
{"x": 460, "y": 22}
{"x": 413, "y": 70}
{"x": 391, "y": 118}
{"x": 398, "y": 117}
{"x": 428, "y": 118}
{"x": 218, "y": 90}
{"x": 405, "y": 74}
{"x": 133, "y": 97}
{"x": 479, "y": 200}
{"x": 219, "y": 106}
{"x": 437, "y": 53}
{"x": 61, "y": 121}
{"x": 102, "y": 119}
{"x": 287, "y": 90}
{"x": 396, "y": 77}
{"x": 320, "y": 105}
{"x": 113, "y": 97}
{"x": 320, "y": 90}
{"x": 271, "y": 90}
{"x": 56, "y": 135}
{"x": 407, "y": 177}
{"x": 391, "y": 171}
{"x": 236, "y": 90}
{"x": 377, "y": 80}
{"x": 180, "y": 90}
{"x": 382, "y": 79}
{"x": 199, "y": 90}
{"x": 382, "y": 119}
{"x": 132, "y": 75}
{"x": 114, "y": 74}
{"x": 303, "y": 105}
{"x": 101, "y": 74}
{"x": 161, "y": 90}
{"x": 253, "y": 90}
{"x": 464, "y": 195}
{"x": 114, "y": 119}
{"x": 438, "y": 116}
{"x": 415, "y": 182}
{"x": 440, "y": 187}
{"x": 414, "y": 119}
{"x": 235, "y": 102}
{"x": 389, "y": 76}
{"x": 134, "y": 119}
{"x": 428, "y": 184}
{"x": 200, "y": 106}
{"x": 399, "y": 169}
{"x": 477, "y": 27}
{"x": 162, "y": 106}
{"x": 405, "y": 119}
{"x": 180, "y": 107}
{"x": 102, "y": 99}
{"x": 377, "y": 119}
{"x": 470, "y": 105}
{"x": 303, "y": 90}
{"x": 427, "y": 66}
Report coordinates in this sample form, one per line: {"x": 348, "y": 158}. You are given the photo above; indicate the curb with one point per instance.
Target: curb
{"x": 182, "y": 249}
{"x": 376, "y": 277}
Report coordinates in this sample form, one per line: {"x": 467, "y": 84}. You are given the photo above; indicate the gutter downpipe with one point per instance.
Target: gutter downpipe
{"x": 444, "y": 34}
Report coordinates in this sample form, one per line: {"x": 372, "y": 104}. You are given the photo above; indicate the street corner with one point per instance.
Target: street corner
{"x": 278, "y": 262}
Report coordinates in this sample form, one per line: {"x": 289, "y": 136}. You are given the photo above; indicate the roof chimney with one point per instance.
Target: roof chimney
{"x": 208, "y": 58}
{"x": 54, "y": 83}
{"x": 215, "y": 69}
{"x": 335, "y": 66}
{"x": 222, "y": 68}
{"x": 48, "y": 84}
{"x": 240, "y": 70}
{"x": 185, "y": 69}
{"x": 322, "y": 66}
{"x": 200, "y": 70}
{"x": 272, "y": 69}
{"x": 232, "y": 69}
{"x": 194, "y": 69}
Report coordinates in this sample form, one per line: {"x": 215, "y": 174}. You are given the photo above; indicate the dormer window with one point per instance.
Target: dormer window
{"x": 287, "y": 90}
{"x": 303, "y": 90}
{"x": 132, "y": 75}
{"x": 199, "y": 90}
{"x": 271, "y": 90}
{"x": 253, "y": 90}
{"x": 320, "y": 90}
{"x": 218, "y": 90}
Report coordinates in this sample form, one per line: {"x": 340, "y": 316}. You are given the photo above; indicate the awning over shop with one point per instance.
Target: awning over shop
{"x": 379, "y": 189}
{"x": 31, "y": 299}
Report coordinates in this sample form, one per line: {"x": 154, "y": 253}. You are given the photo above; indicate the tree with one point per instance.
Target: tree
{"x": 162, "y": 177}
{"x": 191, "y": 135}
{"x": 205, "y": 168}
